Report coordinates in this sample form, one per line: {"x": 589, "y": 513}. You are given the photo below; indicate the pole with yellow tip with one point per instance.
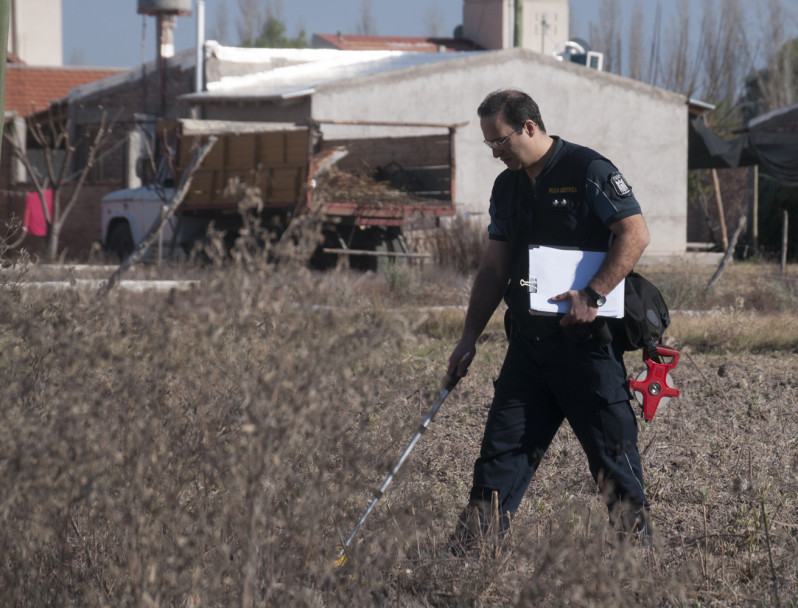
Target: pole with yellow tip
{"x": 451, "y": 382}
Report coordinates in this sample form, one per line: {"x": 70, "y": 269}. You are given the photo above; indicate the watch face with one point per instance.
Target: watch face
{"x": 598, "y": 299}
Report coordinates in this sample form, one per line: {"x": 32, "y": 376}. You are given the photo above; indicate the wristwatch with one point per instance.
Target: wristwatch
{"x": 598, "y": 299}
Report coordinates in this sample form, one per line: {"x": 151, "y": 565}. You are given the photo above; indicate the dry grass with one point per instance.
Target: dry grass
{"x": 743, "y": 286}
{"x": 211, "y": 448}
{"x": 460, "y": 245}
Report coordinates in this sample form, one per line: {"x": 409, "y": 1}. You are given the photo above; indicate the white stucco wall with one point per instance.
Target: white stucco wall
{"x": 643, "y": 130}
{"x": 35, "y": 32}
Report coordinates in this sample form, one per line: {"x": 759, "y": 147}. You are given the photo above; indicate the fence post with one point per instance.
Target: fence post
{"x": 784, "y": 232}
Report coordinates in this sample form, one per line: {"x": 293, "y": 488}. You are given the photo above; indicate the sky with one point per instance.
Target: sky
{"x": 110, "y": 33}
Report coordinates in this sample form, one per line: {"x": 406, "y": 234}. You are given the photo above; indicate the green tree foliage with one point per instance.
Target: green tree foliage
{"x": 273, "y": 36}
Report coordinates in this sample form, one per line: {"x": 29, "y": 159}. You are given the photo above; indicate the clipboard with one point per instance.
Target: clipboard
{"x": 555, "y": 270}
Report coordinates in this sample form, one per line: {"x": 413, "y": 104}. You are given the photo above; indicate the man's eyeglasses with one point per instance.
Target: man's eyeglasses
{"x": 498, "y": 144}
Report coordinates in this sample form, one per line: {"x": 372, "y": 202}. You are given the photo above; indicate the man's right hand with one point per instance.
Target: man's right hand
{"x": 486, "y": 294}
{"x": 460, "y": 359}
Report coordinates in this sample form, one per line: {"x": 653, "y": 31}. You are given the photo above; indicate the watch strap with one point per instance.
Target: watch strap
{"x": 598, "y": 299}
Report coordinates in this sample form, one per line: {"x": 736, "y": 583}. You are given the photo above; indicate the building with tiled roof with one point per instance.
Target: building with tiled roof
{"x": 30, "y": 89}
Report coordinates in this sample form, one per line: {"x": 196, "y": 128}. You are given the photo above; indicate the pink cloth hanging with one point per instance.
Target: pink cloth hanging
{"x": 34, "y": 221}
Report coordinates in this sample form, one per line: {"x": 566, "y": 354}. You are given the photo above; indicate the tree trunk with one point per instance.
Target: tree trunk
{"x": 53, "y": 237}
{"x": 729, "y": 251}
{"x": 721, "y": 213}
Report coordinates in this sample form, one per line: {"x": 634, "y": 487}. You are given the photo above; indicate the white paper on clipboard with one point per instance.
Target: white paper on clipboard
{"x": 555, "y": 270}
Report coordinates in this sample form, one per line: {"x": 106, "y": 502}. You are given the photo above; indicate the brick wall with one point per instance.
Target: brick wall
{"x": 133, "y": 95}
{"x": 82, "y": 227}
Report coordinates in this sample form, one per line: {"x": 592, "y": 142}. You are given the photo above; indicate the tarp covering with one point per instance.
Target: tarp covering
{"x": 769, "y": 141}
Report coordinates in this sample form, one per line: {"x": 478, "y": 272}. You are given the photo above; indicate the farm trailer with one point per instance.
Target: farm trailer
{"x": 368, "y": 190}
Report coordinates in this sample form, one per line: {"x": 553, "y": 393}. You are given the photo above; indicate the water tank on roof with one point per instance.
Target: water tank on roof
{"x": 165, "y": 7}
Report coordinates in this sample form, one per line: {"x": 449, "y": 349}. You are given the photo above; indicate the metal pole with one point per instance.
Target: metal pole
{"x": 4, "y": 6}
{"x": 755, "y": 212}
{"x": 161, "y": 37}
{"x": 199, "y": 68}
{"x": 452, "y": 164}
{"x": 452, "y": 382}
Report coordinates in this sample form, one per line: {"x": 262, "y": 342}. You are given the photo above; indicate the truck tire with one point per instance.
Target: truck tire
{"x": 120, "y": 241}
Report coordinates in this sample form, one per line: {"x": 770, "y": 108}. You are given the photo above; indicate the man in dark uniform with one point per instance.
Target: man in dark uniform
{"x": 552, "y": 193}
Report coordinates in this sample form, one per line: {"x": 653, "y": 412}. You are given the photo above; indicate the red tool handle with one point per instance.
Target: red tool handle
{"x": 655, "y": 386}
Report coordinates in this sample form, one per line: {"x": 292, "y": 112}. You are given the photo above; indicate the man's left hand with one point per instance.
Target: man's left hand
{"x": 580, "y": 309}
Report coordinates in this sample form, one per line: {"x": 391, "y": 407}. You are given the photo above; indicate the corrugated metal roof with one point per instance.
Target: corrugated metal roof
{"x": 303, "y": 70}
{"x": 185, "y": 59}
{"x": 350, "y": 42}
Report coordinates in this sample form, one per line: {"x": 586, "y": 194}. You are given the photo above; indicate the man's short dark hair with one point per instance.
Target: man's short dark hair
{"x": 516, "y": 107}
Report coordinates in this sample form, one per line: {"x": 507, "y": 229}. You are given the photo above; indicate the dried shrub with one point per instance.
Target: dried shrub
{"x": 459, "y": 244}
{"x": 213, "y": 446}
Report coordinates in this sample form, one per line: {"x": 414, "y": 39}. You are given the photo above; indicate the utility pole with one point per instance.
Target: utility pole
{"x": 518, "y": 30}
{"x": 4, "y": 5}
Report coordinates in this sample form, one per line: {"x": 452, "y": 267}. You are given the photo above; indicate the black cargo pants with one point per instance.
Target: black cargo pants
{"x": 543, "y": 382}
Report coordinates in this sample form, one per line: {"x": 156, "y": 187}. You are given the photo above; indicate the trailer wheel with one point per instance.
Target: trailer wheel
{"x": 120, "y": 241}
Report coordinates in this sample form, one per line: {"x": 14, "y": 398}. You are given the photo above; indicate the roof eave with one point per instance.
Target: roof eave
{"x": 208, "y": 97}
{"x": 696, "y": 106}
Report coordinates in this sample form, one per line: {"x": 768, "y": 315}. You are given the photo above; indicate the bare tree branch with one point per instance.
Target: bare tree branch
{"x": 52, "y": 135}
{"x": 221, "y": 23}
{"x": 636, "y": 42}
{"x": 40, "y": 185}
{"x": 13, "y": 227}
{"x": 366, "y": 26}
{"x": 729, "y": 255}
{"x": 101, "y": 134}
{"x": 168, "y": 212}
{"x": 433, "y": 22}
{"x": 250, "y": 22}
{"x": 606, "y": 36}
{"x": 653, "y": 57}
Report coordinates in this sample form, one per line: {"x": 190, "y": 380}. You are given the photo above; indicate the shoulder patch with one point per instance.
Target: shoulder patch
{"x": 620, "y": 185}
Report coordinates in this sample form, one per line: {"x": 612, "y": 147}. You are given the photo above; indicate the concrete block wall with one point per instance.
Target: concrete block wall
{"x": 643, "y": 130}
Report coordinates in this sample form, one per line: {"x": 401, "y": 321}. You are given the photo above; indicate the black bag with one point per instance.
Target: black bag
{"x": 645, "y": 316}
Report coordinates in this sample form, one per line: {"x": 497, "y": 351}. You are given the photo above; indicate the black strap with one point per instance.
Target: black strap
{"x": 648, "y": 343}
